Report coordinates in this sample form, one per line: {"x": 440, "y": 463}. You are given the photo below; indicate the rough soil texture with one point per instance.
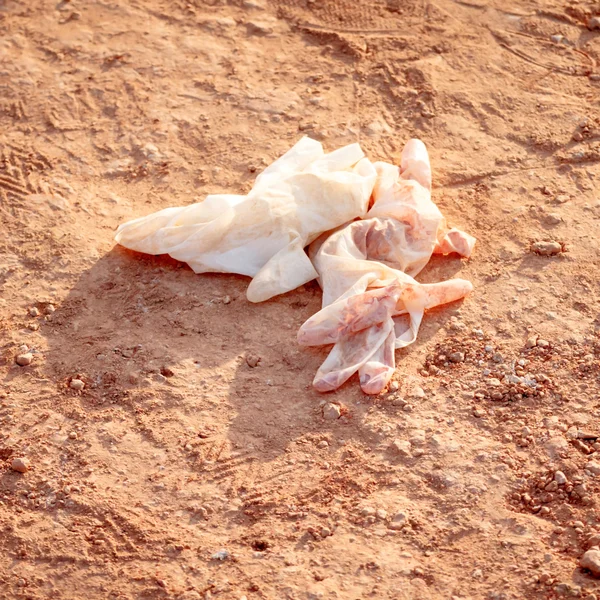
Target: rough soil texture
{"x": 177, "y": 448}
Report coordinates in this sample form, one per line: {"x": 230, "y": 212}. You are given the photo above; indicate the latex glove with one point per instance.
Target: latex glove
{"x": 263, "y": 234}
{"x": 366, "y": 271}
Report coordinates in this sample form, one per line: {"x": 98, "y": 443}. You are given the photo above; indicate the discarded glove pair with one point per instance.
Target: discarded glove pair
{"x": 371, "y": 303}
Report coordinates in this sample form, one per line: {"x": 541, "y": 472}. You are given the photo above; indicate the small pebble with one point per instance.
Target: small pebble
{"x": 220, "y": 555}
{"x": 457, "y": 357}
{"x": 531, "y": 341}
{"x": 252, "y": 360}
{"x": 24, "y": 359}
{"x": 547, "y": 248}
{"x": 23, "y": 349}
{"x": 418, "y": 393}
{"x": 73, "y": 435}
{"x": 407, "y": 408}
{"x": 21, "y": 465}
{"x": 325, "y": 532}
{"x": 76, "y": 384}
{"x": 332, "y": 411}
{"x": 398, "y": 522}
{"x": 478, "y": 412}
{"x": 49, "y": 309}
{"x": 553, "y": 219}
{"x": 542, "y": 343}
{"x": 593, "y": 467}
{"x": 401, "y": 447}
{"x": 560, "y": 478}
{"x": 594, "y": 23}
{"x": 591, "y": 561}
{"x": 323, "y": 444}
{"x": 34, "y": 312}
{"x": 381, "y": 514}
{"x": 393, "y": 386}
{"x": 556, "y": 38}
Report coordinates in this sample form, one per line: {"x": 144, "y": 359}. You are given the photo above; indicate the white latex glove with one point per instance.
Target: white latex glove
{"x": 366, "y": 271}
{"x": 263, "y": 234}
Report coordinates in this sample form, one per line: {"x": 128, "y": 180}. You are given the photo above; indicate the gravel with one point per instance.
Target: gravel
{"x": 457, "y": 357}
{"x": 24, "y": 359}
{"x": 332, "y": 411}
{"x": 560, "y": 478}
{"x": 591, "y": 561}
{"x": 21, "y": 465}
{"x": 398, "y": 522}
{"x": 593, "y": 467}
{"x": 401, "y": 447}
{"x": 76, "y": 384}
{"x": 547, "y": 248}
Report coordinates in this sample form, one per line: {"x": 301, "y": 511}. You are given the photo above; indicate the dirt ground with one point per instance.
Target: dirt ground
{"x": 182, "y": 472}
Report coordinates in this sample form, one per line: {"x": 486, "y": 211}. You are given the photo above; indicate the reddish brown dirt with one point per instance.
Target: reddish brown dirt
{"x": 177, "y": 448}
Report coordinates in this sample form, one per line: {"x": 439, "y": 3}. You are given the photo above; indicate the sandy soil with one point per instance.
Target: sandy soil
{"x": 177, "y": 448}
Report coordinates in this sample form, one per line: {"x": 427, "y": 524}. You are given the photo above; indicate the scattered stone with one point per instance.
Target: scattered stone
{"x": 418, "y": 437}
{"x": 23, "y": 349}
{"x": 398, "y": 401}
{"x": 417, "y": 393}
{"x": 259, "y": 28}
{"x": 33, "y": 326}
{"x": 593, "y": 541}
{"x": 547, "y": 248}
{"x": 21, "y": 465}
{"x": 393, "y": 386}
{"x": 226, "y": 299}
{"x": 398, "y": 522}
{"x": 49, "y": 309}
{"x": 323, "y": 444}
{"x": 73, "y": 435}
{"x": 594, "y": 23}
{"x": 407, "y": 408}
{"x": 560, "y": 478}
{"x": 368, "y": 511}
{"x": 478, "y": 412}
{"x": 552, "y": 219}
{"x": 167, "y": 372}
{"x": 591, "y": 561}
{"x": 557, "y": 38}
{"x": 457, "y": 357}
{"x": 593, "y": 467}
{"x": 24, "y": 359}
{"x": 76, "y": 384}
{"x": 252, "y": 360}
{"x": 381, "y": 514}
{"x": 401, "y": 447}
{"x": 220, "y": 555}
{"x": 332, "y": 411}
{"x": 542, "y": 343}
{"x": 34, "y": 312}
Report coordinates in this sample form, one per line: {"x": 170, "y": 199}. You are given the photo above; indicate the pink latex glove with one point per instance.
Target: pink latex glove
{"x": 366, "y": 271}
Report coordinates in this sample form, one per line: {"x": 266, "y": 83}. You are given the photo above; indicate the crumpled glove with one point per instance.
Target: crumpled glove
{"x": 371, "y": 302}
{"x": 263, "y": 234}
